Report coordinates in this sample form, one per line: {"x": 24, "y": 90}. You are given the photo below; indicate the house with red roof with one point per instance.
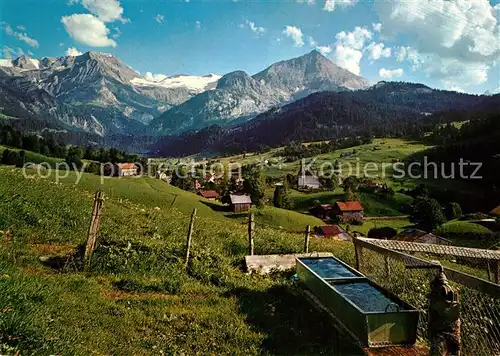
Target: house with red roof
{"x": 348, "y": 212}
{"x": 209, "y": 194}
{"x": 333, "y": 232}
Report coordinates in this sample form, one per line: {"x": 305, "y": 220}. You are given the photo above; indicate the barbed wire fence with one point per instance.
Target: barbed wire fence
{"x": 410, "y": 276}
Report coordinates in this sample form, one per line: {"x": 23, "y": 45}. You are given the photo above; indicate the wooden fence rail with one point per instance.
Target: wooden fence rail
{"x": 472, "y": 282}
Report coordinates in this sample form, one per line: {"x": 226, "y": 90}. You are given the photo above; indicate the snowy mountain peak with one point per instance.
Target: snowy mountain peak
{"x": 193, "y": 83}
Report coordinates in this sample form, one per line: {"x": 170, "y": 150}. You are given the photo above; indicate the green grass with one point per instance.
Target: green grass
{"x": 374, "y": 205}
{"x": 468, "y": 234}
{"x": 463, "y": 227}
{"x": 137, "y": 298}
{"x": 399, "y": 225}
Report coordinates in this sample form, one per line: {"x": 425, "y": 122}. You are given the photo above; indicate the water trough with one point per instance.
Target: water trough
{"x": 371, "y": 314}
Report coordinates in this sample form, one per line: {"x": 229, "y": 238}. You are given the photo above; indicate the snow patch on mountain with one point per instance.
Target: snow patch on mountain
{"x": 191, "y": 82}
{"x": 6, "y": 63}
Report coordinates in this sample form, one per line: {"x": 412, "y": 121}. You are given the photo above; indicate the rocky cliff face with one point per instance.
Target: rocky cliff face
{"x": 239, "y": 96}
{"x": 94, "y": 92}
{"x": 97, "y": 92}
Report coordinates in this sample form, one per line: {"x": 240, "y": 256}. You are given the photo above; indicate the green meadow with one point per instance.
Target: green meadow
{"x": 137, "y": 295}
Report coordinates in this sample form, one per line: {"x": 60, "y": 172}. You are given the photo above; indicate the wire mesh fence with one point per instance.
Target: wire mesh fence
{"x": 480, "y": 263}
{"x": 409, "y": 277}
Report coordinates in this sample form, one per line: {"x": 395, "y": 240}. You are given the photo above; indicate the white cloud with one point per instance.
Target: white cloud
{"x": 295, "y": 34}
{"x": 117, "y": 33}
{"x": 390, "y": 74}
{"x": 21, "y": 27}
{"x": 253, "y": 27}
{"x": 154, "y": 77}
{"x": 377, "y": 51}
{"x": 348, "y": 58}
{"x": 160, "y": 18}
{"x": 308, "y": 2}
{"x": 73, "y": 52}
{"x": 20, "y": 52}
{"x": 355, "y": 39}
{"x": 88, "y": 30}
{"x": 449, "y": 85}
{"x": 21, "y": 36}
{"x": 330, "y": 5}
{"x": 8, "y": 52}
{"x": 377, "y": 27}
{"x": 324, "y": 50}
{"x": 349, "y": 47}
{"x": 452, "y": 37}
{"x": 105, "y": 10}
{"x": 198, "y": 25}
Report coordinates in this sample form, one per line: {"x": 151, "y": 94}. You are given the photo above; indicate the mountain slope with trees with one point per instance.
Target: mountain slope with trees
{"x": 385, "y": 110}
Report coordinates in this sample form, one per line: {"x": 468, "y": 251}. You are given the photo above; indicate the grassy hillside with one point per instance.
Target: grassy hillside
{"x": 137, "y": 297}
{"x": 381, "y": 150}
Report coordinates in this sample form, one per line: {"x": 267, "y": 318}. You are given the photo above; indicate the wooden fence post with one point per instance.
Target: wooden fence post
{"x": 251, "y": 233}
{"x": 444, "y": 318}
{"x": 358, "y": 254}
{"x": 94, "y": 227}
{"x": 387, "y": 266}
{"x": 496, "y": 272}
{"x": 189, "y": 236}
{"x": 306, "y": 239}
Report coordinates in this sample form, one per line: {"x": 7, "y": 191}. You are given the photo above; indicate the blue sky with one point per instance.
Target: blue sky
{"x": 449, "y": 44}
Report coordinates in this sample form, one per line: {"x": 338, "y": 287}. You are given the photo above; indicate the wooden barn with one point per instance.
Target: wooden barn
{"x": 348, "y": 211}
{"x": 240, "y": 203}
{"x": 322, "y": 211}
{"x": 209, "y": 194}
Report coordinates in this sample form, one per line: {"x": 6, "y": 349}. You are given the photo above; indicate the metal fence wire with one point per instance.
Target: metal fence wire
{"x": 409, "y": 277}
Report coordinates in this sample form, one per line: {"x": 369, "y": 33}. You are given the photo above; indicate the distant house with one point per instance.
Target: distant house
{"x": 322, "y": 211}
{"x": 240, "y": 203}
{"x": 496, "y": 211}
{"x": 120, "y": 169}
{"x": 126, "y": 169}
{"x": 210, "y": 178}
{"x": 209, "y": 194}
{"x": 309, "y": 182}
{"x": 348, "y": 211}
{"x": 197, "y": 185}
{"x": 371, "y": 185}
{"x": 333, "y": 232}
{"x": 420, "y": 236}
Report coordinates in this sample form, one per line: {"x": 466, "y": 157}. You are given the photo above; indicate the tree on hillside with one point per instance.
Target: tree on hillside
{"x": 22, "y": 159}
{"x": 453, "y": 211}
{"x": 427, "y": 213}
{"x": 329, "y": 183}
{"x": 385, "y": 232}
{"x": 181, "y": 179}
{"x": 254, "y": 184}
{"x": 351, "y": 188}
{"x": 10, "y": 158}
{"x": 281, "y": 197}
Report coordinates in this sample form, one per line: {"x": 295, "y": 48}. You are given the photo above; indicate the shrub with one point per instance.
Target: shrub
{"x": 453, "y": 211}
{"x": 386, "y": 232}
{"x": 474, "y": 216}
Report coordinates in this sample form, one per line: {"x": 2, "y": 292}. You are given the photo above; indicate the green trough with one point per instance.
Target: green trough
{"x": 371, "y": 314}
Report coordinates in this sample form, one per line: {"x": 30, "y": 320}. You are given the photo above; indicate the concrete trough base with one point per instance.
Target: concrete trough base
{"x": 419, "y": 349}
{"x": 265, "y": 264}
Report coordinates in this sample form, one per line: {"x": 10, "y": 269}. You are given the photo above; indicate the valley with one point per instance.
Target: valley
{"x": 291, "y": 146}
